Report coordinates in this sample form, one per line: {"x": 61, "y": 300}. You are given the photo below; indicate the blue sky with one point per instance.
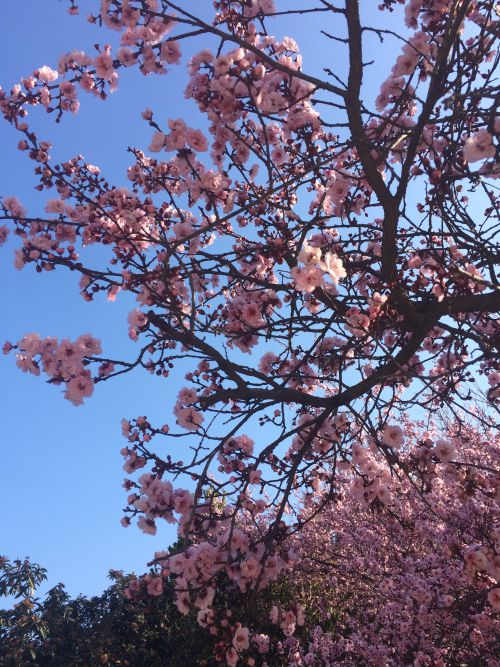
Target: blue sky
{"x": 61, "y": 470}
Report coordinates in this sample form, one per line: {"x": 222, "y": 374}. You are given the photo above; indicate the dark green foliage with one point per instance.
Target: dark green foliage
{"x": 109, "y": 629}
{"x": 106, "y": 629}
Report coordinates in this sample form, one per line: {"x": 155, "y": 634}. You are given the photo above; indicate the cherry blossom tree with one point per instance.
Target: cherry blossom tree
{"x": 400, "y": 571}
{"x": 408, "y": 568}
{"x": 326, "y": 262}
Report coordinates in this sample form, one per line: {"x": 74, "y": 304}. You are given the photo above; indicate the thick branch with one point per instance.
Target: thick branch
{"x": 356, "y": 125}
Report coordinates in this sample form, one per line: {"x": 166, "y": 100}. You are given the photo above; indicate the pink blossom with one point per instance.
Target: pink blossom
{"x": 46, "y": 74}
{"x": 334, "y": 267}
{"x": 205, "y": 617}
{"x": 392, "y": 435}
{"x": 55, "y": 206}
{"x": 475, "y": 557}
{"x": 182, "y": 602}
{"x": 183, "y": 501}
{"x": 27, "y": 364}
{"x": 240, "y": 639}
{"x": 250, "y": 568}
{"x": 79, "y": 387}
{"x": 157, "y": 142}
{"x": 494, "y": 378}
{"x": 14, "y": 206}
{"x": 68, "y": 89}
{"x": 445, "y": 450}
{"x": 306, "y": 279}
{"x": 261, "y": 641}
{"x": 187, "y": 396}
{"x": 104, "y": 65}
{"x": 197, "y": 140}
{"x": 254, "y": 476}
{"x": 479, "y": 146}
{"x": 205, "y": 598}
{"x": 170, "y": 52}
{"x": 136, "y": 320}
{"x": 155, "y": 586}
{"x": 126, "y": 56}
{"x": 4, "y": 233}
{"x": 88, "y": 345}
{"x": 31, "y": 344}
{"x": 232, "y": 657}
{"x": 147, "y": 525}
{"x": 494, "y": 598}
{"x": 266, "y": 362}
{"x": 189, "y": 418}
{"x": 309, "y": 254}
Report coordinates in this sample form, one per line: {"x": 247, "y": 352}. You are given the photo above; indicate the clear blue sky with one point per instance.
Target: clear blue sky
{"x": 61, "y": 472}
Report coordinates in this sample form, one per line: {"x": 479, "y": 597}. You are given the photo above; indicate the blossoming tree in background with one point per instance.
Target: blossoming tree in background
{"x": 327, "y": 263}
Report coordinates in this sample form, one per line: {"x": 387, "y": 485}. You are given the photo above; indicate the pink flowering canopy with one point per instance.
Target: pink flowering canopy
{"x": 325, "y": 262}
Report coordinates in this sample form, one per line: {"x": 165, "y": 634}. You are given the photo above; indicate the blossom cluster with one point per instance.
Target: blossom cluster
{"x": 63, "y": 361}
